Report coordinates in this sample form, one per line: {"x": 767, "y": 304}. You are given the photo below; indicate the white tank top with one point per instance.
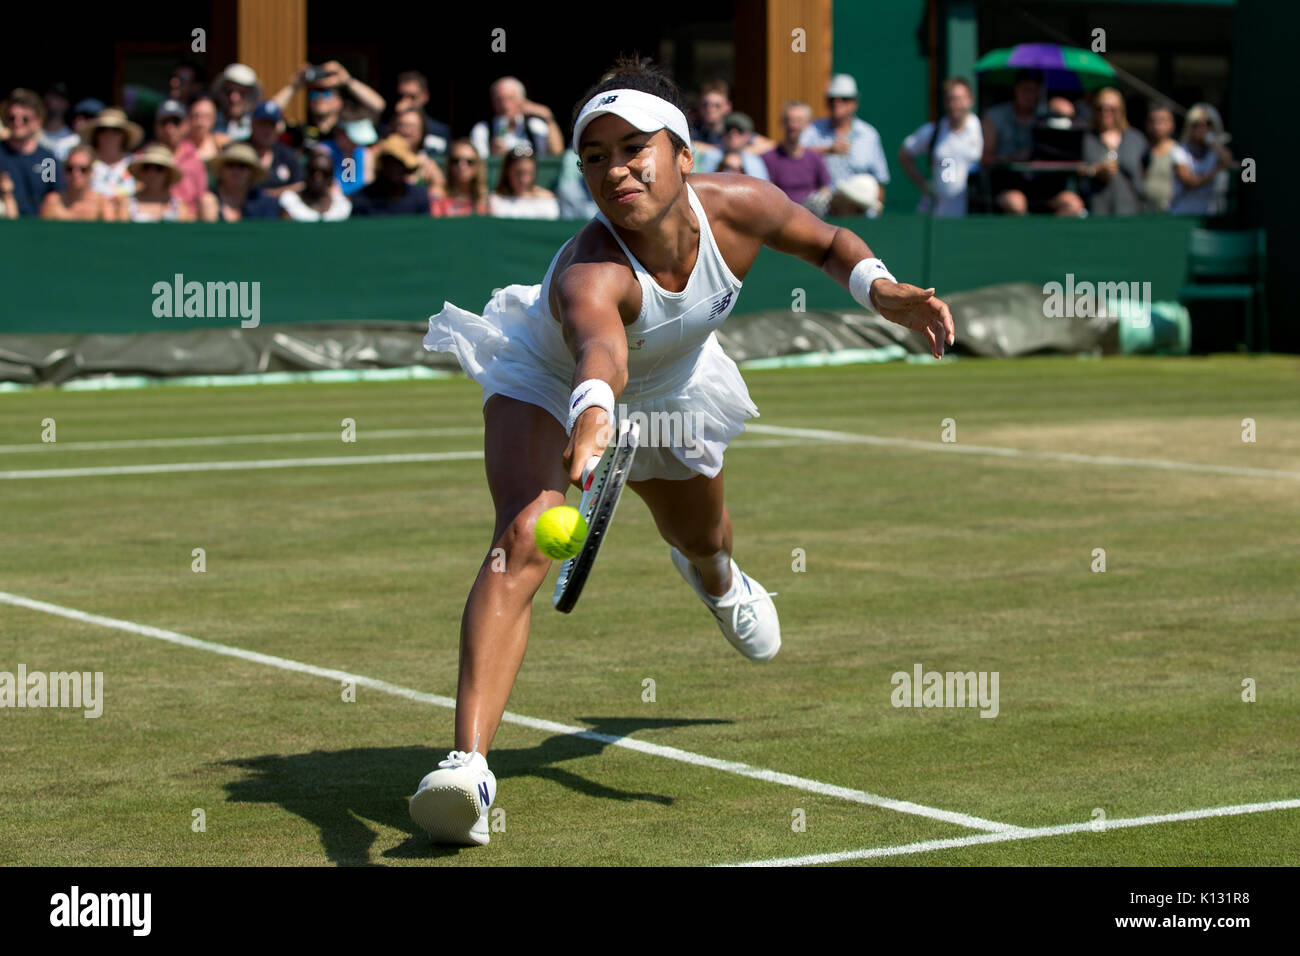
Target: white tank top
{"x": 668, "y": 335}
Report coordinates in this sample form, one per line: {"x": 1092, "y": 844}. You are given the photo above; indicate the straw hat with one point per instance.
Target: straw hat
{"x": 113, "y": 118}
{"x": 396, "y": 147}
{"x": 240, "y": 154}
{"x": 155, "y": 154}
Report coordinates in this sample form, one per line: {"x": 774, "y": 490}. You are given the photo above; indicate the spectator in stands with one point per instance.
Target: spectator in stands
{"x": 236, "y": 90}
{"x": 83, "y": 113}
{"x": 1112, "y": 156}
{"x": 113, "y": 137}
{"x": 1158, "y": 163}
{"x": 279, "y": 159}
{"x": 712, "y": 109}
{"x": 571, "y": 190}
{"x": 186, "y": 82}
{"x": 330, "y": 88}
{"x": 169, "y": 128}
{"x": 1201, "y": 164}
{"x": 32, "y": 169}
{"x": 413, "y": 93}
{"x": 8, "y": 203}
{"x": 390, "y": 194}
{"x": 517, "y": 195}
{"x": 316, "y": 199}
{"x": 1008, "y": 138}
{"x": 465, "y": 192}
{"x": 408, "y": 123}
{"x": 798, "y": 171}
{"x": 156, "y": 173}
{"x": 732, "y": 161}
{"x": 738, "y": 137}
{"x": 77, "y": 200}
{"x": 236, "y": 197}
{"x": 851, "y": 146}
{"x": 198, "y": 147}
{"x": 350, "y": 144}
{"x": 56, "y": 135}
{"x": 516, "y": 121}
{"x": 948, "y": 152}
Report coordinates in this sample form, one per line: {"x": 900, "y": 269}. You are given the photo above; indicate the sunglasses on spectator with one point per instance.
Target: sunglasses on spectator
{"x": 70, "y": 168}
{"x": 466, "y": 160}
{"x": 318, "y": 171}
{"x": 840, "y": 99}
{"x": 320, "y": 94}
{"x": 170, "y": 121}
{"x": 151, "y": 168}
{"x": 519, "y": 152}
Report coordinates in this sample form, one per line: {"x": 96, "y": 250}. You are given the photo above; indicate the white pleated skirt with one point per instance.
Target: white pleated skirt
{"x": 687, "y": 416}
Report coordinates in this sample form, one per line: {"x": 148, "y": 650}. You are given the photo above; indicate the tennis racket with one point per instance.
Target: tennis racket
{"x": 603, "y": 479}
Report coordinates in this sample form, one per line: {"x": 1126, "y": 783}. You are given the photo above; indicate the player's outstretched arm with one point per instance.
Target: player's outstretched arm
{"x": 788, "y": 227}
{"x": 588, "y": 296}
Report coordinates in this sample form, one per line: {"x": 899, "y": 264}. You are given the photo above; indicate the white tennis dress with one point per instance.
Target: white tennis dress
{"x": 690, "y": 392}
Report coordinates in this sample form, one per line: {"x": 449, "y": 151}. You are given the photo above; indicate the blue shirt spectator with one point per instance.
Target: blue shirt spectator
{"x": 349, "y": 141}
{"x": 865, "y": 154}
{"x": 31, "y": 167}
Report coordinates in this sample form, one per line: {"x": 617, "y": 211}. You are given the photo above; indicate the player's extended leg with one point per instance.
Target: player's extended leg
{"x": 523, "y": 447}
{"x": 692, "y": 517}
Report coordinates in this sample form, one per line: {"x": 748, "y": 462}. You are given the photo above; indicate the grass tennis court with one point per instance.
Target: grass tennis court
{"x": 1119, "y": 691}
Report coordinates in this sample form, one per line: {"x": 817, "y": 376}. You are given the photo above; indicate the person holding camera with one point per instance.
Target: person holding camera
{"x": 326, "y": 85}
{"x": 516, "y": 121}
{"x": 1201, "y": 164}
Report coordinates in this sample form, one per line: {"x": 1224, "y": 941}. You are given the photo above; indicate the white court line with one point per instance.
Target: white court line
{"x": 114, "y": 444}
{"x": 1072, "y": 457}
{"x": 258, "y": 464}
{"x": 550, "y": 726}
{"x": 1027, "y": 833}
{"x": 793, "y": 436}
{"x": 250, "y": 465}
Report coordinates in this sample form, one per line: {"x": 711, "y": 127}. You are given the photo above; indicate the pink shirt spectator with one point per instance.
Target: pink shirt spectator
{"x": 194, "y": 176}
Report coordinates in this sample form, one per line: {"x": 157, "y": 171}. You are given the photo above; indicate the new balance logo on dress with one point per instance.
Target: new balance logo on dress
{"x": 720, "y": 306}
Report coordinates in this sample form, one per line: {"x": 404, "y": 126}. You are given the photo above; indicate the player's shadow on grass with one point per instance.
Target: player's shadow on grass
{"x": 339, "y": 791}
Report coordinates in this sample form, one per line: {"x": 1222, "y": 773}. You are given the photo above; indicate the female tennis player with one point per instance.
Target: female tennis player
{"x": 625, "y": 316}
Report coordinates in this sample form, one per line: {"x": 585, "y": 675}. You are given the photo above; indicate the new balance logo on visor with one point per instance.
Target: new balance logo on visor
{"x": 483, "y": 792}
{"x": 606, "y": 100}
{"x": 720, "y": 306}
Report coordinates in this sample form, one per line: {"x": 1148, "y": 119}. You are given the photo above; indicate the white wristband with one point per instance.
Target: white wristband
{"x": 594, "y": 391}
{"x": 863, "y": 275}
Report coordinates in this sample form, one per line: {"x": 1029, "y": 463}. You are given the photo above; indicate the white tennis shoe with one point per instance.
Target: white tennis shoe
{"x": 451, "y": 804}
{"x": 746, "y": 615}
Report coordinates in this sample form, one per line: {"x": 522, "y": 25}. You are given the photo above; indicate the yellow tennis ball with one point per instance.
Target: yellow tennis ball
{"x": 560, "y": 532}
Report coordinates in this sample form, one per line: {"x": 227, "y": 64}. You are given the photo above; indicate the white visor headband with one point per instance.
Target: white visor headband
{"x": 645, "y": 111}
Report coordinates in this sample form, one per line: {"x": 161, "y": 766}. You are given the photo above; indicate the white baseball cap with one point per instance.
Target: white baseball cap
{"x": 645, "y": 111}
{"x": 843, "y": 86}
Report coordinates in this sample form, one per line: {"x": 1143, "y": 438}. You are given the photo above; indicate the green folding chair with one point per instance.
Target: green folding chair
{"x": 1222, "y": 256}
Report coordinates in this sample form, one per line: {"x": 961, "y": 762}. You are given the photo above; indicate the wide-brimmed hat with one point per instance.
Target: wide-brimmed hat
{"x": 155, "y": 154}
{"x": 240, "y": 75}
{"x": 397, "y": 147}
{"x": 862, "y": 189}
{"x": 842, "y": 86}
{"x": 113, "y": 118}
{"x": 241, "y": 154}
